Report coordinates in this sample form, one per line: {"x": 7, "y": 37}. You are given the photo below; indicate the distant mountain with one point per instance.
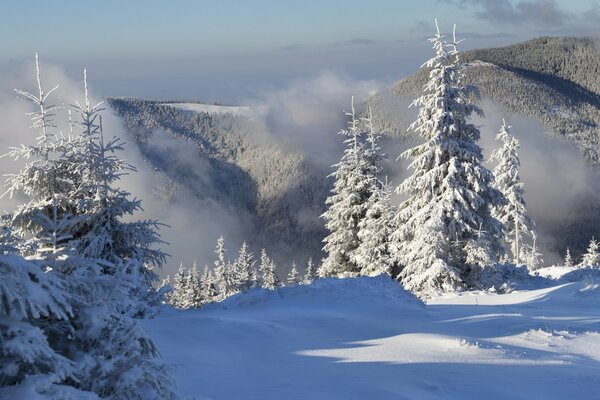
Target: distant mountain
{"x": 556, "y": 80}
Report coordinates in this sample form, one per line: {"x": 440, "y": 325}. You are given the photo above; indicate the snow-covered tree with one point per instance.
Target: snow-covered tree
{"x": 347, "y": 203}
{"x": 194, "y": 292}
{"x": 311, "y": 273}
{"x": 591, "y": 258}
{"x": 518, "y": 225}
{"x": 268, "y": 271}
{"x": 223, "y": 273}
{"x": 180, "y": 284}
{"x": 293, "y": 277}
{"x": 449, "y": 192}
{"x": 209, "y": 291}
{"x": 569, "y": 259}
{"x": 110, "y": 352}
{"x": 374, "y": 252}
{"x": 242, "y": 269}
{"x": 32, "y": 300}
{"x": 530, "y": 253}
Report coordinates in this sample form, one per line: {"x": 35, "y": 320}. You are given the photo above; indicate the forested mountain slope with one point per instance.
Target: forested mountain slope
{"x": 555, "y": 80}
{"x": 280, "y": 190}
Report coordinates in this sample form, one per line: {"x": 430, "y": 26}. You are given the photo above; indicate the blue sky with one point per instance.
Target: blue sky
{"x": 237, "y": 47}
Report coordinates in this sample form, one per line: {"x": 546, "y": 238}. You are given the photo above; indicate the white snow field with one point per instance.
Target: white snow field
{"x": 367, "y": 338}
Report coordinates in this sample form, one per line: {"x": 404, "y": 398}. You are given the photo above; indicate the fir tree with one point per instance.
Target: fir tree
{"x": 180, "y": 282}
{"x": 374, "y": 253}
{"x": 449, "y": 191}
{"x": 569, "y": 259}
{"x": 194, "y": 295}
{"x": 293, "y": 277}
{"x": 310, "y": 275}
{"x": 347, "y": 204}
{"x": 518, "y": 226}
{"x": 268, "y": 270}
{"x": 242, "y": 269}
{"x": 591, "y": 258}
{"x": 209, "y": 291}
{"x": 51, "y": 227}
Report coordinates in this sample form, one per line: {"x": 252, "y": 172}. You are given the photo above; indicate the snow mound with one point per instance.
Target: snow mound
{"x": 361, "y": 290}
{"x": 367, "y": 338}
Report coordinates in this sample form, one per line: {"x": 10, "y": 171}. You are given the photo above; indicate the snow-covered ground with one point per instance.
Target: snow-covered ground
{"x": 367, "y": 338}
{"x": 244, "y": 111}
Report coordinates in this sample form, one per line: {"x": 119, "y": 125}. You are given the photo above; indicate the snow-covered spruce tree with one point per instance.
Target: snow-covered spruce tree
{"x": 194, "y": 296}
{"x": 374, "y": 229}
{"x": 242, "y": 269}
{"x": 591, "y": 258}
{"x": 223, "y": 275}
{"x": 449, "y": 192}
{"x": 209, "y": 290}
{"x": 346, "y": 204}
{"x": 30, "y": 298}
{"x": 129, "y": 246}
{"x": 293, "y": 277}
{"x": 112, "y": 356}
{"x": 180, "y": 281}
{"x": 310, "y": 274}
{"x": 268, "y": 271}
{"x": 530, "y": 253}
{"x": 518, "y": 225}
{"x": 569, "y": 259}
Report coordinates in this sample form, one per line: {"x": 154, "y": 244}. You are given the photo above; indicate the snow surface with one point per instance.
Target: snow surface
{"x": 243, "y": 111}
{"x": 367, "y": 338}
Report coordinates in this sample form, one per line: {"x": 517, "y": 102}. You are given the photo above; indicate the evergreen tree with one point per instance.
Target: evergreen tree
{"x": 209, "y": 290}
{"x": 293, "y": 277}
{"x": 569, "y": 259}
{"x": 592, "y": 256}
{"x": 179, "y": 288}
{"x": 112, "y": 356}
{"x": 518, "y": 226}
{"x": 268, "y": 272}
{"x": 32, "y": 300}
{"x": 194, "y": 295}
{"x": 223, "y": 276}
{"x": 242, "y": 269}
{"x": 310, "y": 275}
{"x": 449, "y": 191}
{"x": 347, "y": 204}
{"x": 374, "y": 254}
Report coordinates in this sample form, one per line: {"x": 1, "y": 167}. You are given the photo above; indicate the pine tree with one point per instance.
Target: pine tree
{"x": 569, "y": 259}
{"x": 179, "y": 288}
{"x": 293, "y": 277}
{"x": 111, "y": 355}
{"x": 347, "y": 204}
{"x": 194, "y": 288}
{"x": 374, "y": 253}
{"x": 449, "y": 191}
{"x": 223, "y": 279}
{"x": 32, "y": 299}
{"x": 518, "y": 226}
{"x": 242, "y": 269}
{"x": 592, "y": 256}
{"x": 530, "y": 253}
{"x": 374, "y": 229}
{"x": 310, "y": 275}
{"x": 268, "y": 270}
{"x": 209, "y": 291}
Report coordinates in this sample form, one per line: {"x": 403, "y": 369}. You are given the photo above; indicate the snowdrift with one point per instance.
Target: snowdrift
{"x": 368, "y": 338}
